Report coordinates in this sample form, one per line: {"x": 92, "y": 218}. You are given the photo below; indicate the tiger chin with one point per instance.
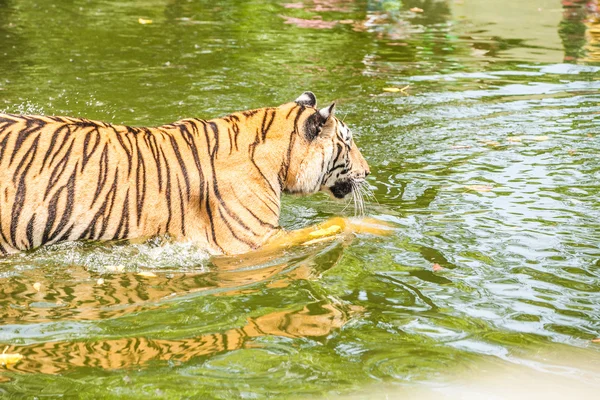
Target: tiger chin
{"x": 217, "y": 183}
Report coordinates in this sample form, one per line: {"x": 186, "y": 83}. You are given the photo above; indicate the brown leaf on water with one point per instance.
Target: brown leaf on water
{"x": 480, "y": 188}
{"x": 309, "y": 23}
{"x": 597, "y": 340}
{"x": 416, "y": 10}
{"x": 437, "y": 267}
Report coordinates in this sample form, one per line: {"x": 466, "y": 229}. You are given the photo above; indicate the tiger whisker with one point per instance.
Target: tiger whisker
{"x": 369, "y": 193}
{"x": 358, "y": 201}
{"x": 354, "y": 197}
{"x": 358, "y": 198}
{"x": 362, "y": 201}
{"x": 348, "y": 202}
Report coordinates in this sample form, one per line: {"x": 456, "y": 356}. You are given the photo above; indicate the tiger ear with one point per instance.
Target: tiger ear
{"x": 327, "y": 112}
{"x": 307, "y": 99}
{"x": 314, "y": 123}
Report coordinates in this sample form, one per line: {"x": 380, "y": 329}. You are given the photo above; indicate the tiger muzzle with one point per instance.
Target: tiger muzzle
{"x": 341, "y": 188}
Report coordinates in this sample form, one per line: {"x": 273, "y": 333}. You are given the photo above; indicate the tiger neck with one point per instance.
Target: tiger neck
{"x": 246, "y": 165}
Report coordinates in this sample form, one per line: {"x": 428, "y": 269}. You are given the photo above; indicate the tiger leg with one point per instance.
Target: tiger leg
{"x": 330, "y": 229}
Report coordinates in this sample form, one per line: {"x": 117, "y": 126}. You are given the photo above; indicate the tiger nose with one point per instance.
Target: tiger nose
{"x": 367, "y": 172}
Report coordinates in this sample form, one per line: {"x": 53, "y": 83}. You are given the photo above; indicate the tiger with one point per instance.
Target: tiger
{"x": 217, "y": 183}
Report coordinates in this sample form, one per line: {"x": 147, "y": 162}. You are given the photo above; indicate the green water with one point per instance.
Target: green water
{"x": 487, "y": 164}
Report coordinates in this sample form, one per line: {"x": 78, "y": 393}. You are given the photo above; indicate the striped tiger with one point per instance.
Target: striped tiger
{"x": 217, "y": 183}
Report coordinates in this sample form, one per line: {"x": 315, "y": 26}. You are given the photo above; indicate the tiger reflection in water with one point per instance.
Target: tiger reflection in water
{"x": 83, "y": 298}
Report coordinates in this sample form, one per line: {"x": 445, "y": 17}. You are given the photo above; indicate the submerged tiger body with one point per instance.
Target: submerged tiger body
{"x": 217, "y": 182}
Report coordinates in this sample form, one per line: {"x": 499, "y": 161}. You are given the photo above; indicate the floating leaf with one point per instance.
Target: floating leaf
{"x": 480, "y": 188}
{"x": 597, "y": 340}
{"x": 437, "y": 267}
{"x": 491, "y": 143}
{"x": 541, "y": 138}
{"x": 143, "y": 21}
{"x": 37, "y": 286}
{"x": 147, "y": 274}
{"x": 514, "y": 139}
{"x": 416, "y": 10}
{"x": 8, "y": 359}
{"x": 396, "y": 89}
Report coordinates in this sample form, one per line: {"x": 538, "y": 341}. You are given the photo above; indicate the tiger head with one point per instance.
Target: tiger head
{"x": 324, "y": 156}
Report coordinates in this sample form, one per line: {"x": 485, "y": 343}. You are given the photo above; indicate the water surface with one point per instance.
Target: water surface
{"x": 486, "y": 161}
